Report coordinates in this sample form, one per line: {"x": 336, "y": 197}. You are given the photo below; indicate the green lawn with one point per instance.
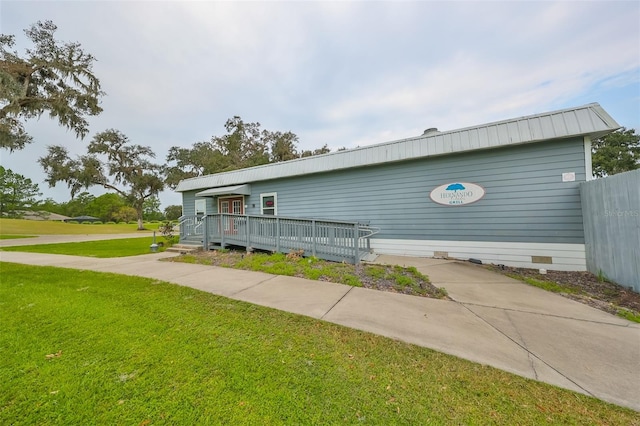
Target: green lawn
{"x": 104, "y": 248}
{"x": 45, "y": 227}
{"x": 80, "y": 347}
{"x": 13, "y": 237}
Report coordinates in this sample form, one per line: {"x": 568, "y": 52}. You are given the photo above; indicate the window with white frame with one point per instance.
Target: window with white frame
{"x": 200, "y": 207}
{"x": 269, "y": 204}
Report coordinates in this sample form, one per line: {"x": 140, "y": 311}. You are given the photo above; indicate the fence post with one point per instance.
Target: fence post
{"x": 356, "y": 237}
{"x": 222, "y": 230}
{"x": 205, "y": 233}
{"x": 278, "y": 234}
{"x": 313, "y": 237}
{"x": 248, "y": 232}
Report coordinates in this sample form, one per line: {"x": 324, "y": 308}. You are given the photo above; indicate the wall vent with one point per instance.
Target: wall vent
{"x": 542, "y": 259}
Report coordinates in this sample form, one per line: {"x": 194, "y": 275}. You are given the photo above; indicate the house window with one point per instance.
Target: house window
{"x": 269, "y": 204}
{"x": 237, "y": 207}
{"x": 201, "y": 207}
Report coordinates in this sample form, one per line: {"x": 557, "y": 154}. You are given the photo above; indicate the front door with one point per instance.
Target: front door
{"x": 230, "y": 205}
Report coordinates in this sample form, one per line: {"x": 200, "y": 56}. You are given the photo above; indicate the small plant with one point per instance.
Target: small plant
{"x": 545, "y": 285}
{"x": 375, "y": 271}
{"x": 601, "y": 276}
{"x": 313, "y": 274}
{"x": 295, "y": 254}
{"x": 629, "y": 315}
{"x": 189, "y": 258}
{"x": 166, "y": 229}
{"x": 402, "y": 280}
{"x": 351, "y": 280}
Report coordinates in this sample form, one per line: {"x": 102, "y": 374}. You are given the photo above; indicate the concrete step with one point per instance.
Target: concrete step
{"x": 183, "y": 248}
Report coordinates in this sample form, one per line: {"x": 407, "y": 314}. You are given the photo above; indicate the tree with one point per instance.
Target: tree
{"x": 282, "y": 146}
{"x": 244, "y": 145}
{"x": 173, "y": 212}
{"x": 51, "y": 206}
{"x": 54, "y": 76}
{"x": 80, "y": 205}
{"x": 616, "y": 152}
{"x": 106, "y": 206}
{"x": 125, "y": 214}
{"x": 16, "y": 192}
{"x": 324, "y": 150}
{"x": 113, "y": 163}
{"x": 151, "y": 208}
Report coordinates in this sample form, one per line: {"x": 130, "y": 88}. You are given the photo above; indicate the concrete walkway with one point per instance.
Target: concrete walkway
{"x": 72, "y": 238}
{"x": 492, "y": 319}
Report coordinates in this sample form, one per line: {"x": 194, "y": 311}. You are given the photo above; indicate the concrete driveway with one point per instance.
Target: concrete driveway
{"x": 491, "y": 319}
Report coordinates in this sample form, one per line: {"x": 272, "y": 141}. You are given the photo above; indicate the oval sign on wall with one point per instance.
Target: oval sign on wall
{"x": 457, "y": 193}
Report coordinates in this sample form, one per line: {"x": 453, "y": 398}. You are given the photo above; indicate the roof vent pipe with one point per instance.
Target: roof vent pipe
{"x": 430, "y": 131}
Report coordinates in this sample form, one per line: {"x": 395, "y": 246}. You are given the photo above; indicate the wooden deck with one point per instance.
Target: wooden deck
{"x": 326, "y": 239}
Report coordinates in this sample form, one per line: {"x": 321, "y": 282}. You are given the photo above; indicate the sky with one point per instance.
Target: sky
{"x": 345, "y": 74}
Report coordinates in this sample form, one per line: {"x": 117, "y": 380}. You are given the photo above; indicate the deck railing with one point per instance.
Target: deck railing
{"x": 325, "y": 239}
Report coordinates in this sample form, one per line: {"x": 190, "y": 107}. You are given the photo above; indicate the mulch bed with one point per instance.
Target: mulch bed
{"x": 591, "y": 290}
{"x": 228, "y": 259}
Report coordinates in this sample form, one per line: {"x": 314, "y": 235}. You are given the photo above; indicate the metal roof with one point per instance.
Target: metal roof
{"x": 236, "y": 189}
{"x": 588, "y": 120}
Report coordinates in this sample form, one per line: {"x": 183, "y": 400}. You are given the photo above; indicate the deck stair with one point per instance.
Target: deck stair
{"x": 184, "y": 248}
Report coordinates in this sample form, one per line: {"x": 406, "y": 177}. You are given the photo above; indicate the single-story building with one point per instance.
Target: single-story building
{"x": 504, "y": 192}
{"x": 82, "y": 219}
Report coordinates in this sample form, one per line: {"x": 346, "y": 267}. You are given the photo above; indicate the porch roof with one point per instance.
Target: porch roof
{"x": 225, "y": 190}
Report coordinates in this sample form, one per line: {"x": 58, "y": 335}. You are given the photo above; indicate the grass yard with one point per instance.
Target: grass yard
{"x": 13, "y": 237}
{"x": 103, "y": 248}
{"x": 82, "y": 347}
{"x": 46, "y": 227}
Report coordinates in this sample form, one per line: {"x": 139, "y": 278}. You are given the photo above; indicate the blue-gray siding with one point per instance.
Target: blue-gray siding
{"x": 612, "y": 227}
{"x": 525, "y": 201}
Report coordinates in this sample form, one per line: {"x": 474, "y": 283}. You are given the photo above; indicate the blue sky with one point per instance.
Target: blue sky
{"x": 337, "y": 73}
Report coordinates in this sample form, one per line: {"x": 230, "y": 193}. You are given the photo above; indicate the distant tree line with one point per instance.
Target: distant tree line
{"x": 19, "y": 194}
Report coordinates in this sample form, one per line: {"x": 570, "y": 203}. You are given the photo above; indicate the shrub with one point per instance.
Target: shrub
{"x": 97, "y": 222}
{"x": 166, "y": 229}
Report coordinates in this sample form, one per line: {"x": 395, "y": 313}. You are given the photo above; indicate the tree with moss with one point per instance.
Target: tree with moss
{"x": 111, "y": 162}
{"x": 244, "y": 145}
{"x": 616, "y": 152}
{"x": 53, "y": 76}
